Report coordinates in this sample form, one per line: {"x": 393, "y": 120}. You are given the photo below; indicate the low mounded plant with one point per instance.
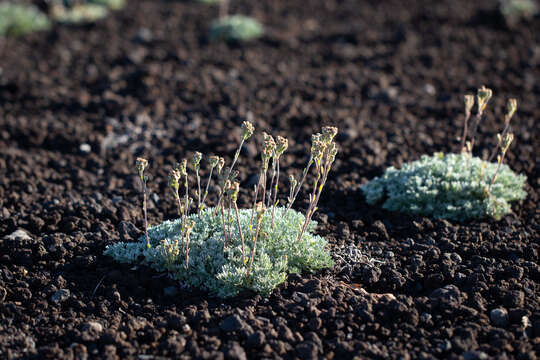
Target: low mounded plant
{"x": 516, "y": 10}
{"x": 224, "y": 249}
{"x": 18, "y": 20}
{"x": 454, "y": 186}
{"x": 84, "y": 11}
{"x": 237, "y": 28}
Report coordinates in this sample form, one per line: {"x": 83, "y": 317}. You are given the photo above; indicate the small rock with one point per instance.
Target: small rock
{"x": 257, "y": 339}
{"x": 174, "y": 345}
{"x": 475, "y": 355}
{"x": 93, "y": 326}
{"x": 499, "y": 317}
{"x": 60, "y": 296}
{"x": 128, "y": 231}
{"x": 144, "y": 35}
{"x": 380, "y": 228}
{"x": 19, "y": 236}
{"x": 85, "y": 148}
{"x": 307, "y": 350}
{"x": 234, "y": 351}
{"x": 232, "y": 323}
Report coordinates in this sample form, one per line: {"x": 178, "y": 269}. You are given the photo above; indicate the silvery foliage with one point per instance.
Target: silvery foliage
{"x": 451, "y": 186}
{"x": 236, "y": 28}
{"x": 516, "y": 10}
{"x": 220, "y": 270}
{"x": 18, "y": 20}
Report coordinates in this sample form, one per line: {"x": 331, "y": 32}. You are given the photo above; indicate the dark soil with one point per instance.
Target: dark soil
{"x": 77, "y": 105}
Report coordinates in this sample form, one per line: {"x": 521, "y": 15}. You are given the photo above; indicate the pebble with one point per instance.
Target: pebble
{"x": 234, "y": 351}
{"x": 232, "y": 323}
{"x": 93, "y": 326}
{"x": 19, "y": 235}
{"x": 60, "y": 296}
{"x": 499, "y": 317}
{"x": 85, "y": 148}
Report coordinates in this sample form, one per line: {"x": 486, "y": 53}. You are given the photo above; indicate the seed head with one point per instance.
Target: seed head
{"x": 282, "y": 145}
{"x": 328, "y": 133}
{"x": 332, "y": 151}
{"x": 511, "y": 108}
{"x": 469, "y": 103}
{"x": 260, "y": 209}
{"x": 317, "y": 147}
{"x": 174, "y": 177}
{"x": 221, "y": 163}
{"x": 182, "y": 168}
{"x": 141, "y": 164}
{"x": 247, "y": 129}
{"x": 506, "y": 141}
{"x": 213, "y": 160}
{"x": 234, "y": 188}
{"x": 482, "y": 97}
{"x": 269, "y": 146}
{"x": 197, "y": 159}
{"x": 292, "y": 180}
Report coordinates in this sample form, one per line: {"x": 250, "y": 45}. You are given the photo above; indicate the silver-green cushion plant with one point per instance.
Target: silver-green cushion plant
{"x": 453, "y": 186}
{"x": 224, "y": 249}
{"x": 516, "y": 10}
{"x": 217, "y": 266}
{"x": 236, "y": 28}
{"x": 18, "y": 20}
{"x": 447, "y": 186}
{"x": 83, "y": 13}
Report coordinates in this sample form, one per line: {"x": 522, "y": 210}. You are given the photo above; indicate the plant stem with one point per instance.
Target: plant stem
{"x": 256, "y": 191}
{"x": 299, "y": 186}
{"x": 145, "y": 213}
{"x": 224, "y": 228}
{"x": 275, "y": 194}
{"x": 465, "y": 130}
{"x": 240, "y": 232}
{"x": 259, "y": 222}
{"x": 198, "y": 194}
{"x": 236, "y": 155}
{"x": 207, "y": 185}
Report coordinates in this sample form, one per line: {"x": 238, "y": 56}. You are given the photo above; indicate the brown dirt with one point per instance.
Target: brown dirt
{"x": 78, "y": 105}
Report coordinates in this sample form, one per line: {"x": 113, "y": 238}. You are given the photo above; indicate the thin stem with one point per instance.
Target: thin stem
{"x": 143, "y": 182}
{"x": 224, "y": 228}
{"x": 272, "y": 181}
{"x": 256, "y": 191}
{"x": 229, "y": 221}
{"x": 496, "y": 172}
{"x": 263, "y": 185}
{"x": 275, "y": 194}
{"x": 236, "y": 155}
{"x": 465, "y": 130}
{"x": 240, "y": 231}
{"x": 259, "y": 222}
{"x": 198, "y": 194}
{"x": 496, "y": 150}
{"x": 299, "y": 186}
{"x": 207, "y": 185}
{"x": 474, "y": 129}
{"x": 179, "y": 204}
{"x": 223, "y": 8}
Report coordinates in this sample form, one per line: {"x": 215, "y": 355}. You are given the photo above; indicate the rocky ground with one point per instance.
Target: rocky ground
{"x": 78, "y": 105}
